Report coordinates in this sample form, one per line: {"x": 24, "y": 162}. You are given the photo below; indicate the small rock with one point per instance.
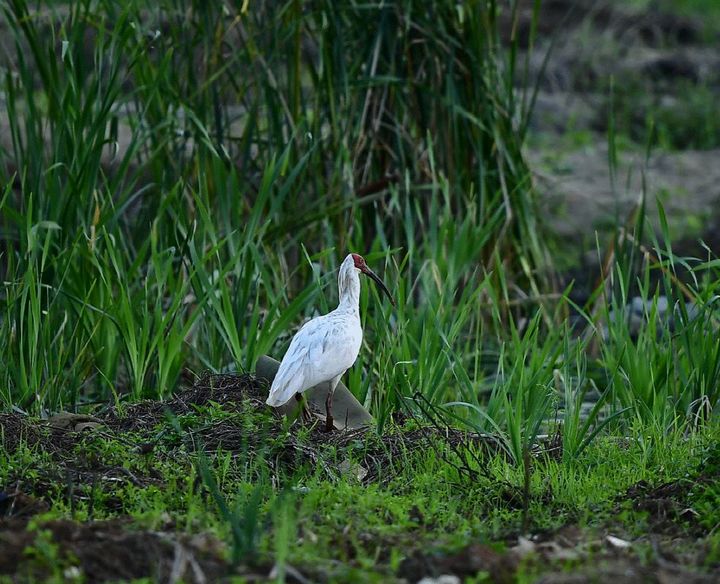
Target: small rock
{"x": 83, "y": 426}
{"x": 618, "y": 543}
{"x": 347, "y": 467}
{"x": 444, "y": 579}
{"x": 73, "y": 422}
{"x": 523, "y": 548}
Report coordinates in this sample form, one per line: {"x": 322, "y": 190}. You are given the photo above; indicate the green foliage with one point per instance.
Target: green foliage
{"x": 169, "y": 163}
{"x": 185, "y": 179}
{"x": 182, "y": 180}
{"x": 418, "y": 503}
{"x": 243, "y": 517}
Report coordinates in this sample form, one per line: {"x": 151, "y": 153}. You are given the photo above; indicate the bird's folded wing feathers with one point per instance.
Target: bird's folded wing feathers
{"x": 309, "y": 360}
{"x": 294, "y": 370}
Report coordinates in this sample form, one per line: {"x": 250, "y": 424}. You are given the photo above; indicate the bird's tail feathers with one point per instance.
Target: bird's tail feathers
{"x": 282, "y": 390}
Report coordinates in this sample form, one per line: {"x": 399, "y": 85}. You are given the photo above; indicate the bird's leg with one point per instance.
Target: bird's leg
{"x": 328, "y": 405}
{"x": 304, "y": 408}
{"x": 328, "y": 412}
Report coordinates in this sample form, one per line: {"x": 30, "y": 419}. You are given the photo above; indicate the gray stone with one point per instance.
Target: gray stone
{"x": 348, "y": 412}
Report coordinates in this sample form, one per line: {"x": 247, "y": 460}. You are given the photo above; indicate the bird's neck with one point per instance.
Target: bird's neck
{"x": 349, "y": 290}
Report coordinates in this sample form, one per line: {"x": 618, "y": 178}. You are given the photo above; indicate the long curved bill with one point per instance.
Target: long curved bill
{"x": 380, "y": 283}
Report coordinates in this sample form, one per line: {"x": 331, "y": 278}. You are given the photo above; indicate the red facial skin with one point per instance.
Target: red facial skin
{"x": 359, "y": 262}
{"x": 362, "y": 266}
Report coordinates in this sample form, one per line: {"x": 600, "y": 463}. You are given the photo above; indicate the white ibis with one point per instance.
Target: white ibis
{"x": 326, "y": 346}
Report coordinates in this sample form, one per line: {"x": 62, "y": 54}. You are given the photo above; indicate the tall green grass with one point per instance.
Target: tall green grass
{"x": 183, "y": 178}
{"x": 169, "y": 161}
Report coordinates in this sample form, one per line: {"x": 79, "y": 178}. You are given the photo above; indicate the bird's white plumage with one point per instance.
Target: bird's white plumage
{"x": 326, "y": 346}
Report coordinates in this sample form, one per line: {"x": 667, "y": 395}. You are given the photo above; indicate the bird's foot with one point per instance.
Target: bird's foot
{"x": 329, "y": 426}
{"x": 305, "y": 412}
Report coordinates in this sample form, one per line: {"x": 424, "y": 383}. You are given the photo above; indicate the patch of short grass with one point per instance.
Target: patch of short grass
{"x": 340, "y": 527}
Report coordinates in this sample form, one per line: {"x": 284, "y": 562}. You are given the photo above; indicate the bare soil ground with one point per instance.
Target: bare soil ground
{"x": 641, "y": 65}
{"x": 110, "y": 551}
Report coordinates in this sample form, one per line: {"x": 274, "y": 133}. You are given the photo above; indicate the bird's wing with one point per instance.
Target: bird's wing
{"x": 321, "y": 350}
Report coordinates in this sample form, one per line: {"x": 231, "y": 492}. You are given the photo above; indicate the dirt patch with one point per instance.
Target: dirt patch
{"x": 18, "y": 504}
{"x": 77, "y": 463}
{"x": 243, "y": 425}
{"x": 558, "y": 16}
{"x": 145, "y": 429}
{"x": 568, "y": 556}
{"x": 664, "y": 68}
{"x": 50, "y": 436}
{"x": 15, "y": 429}
{"x": 107, "y": 551}
{"x": 669, "y": 550}
{"x": 579, "y": 188}
{"x": 226, "y": 389}
{"x": 666, "y": 505}
{"x": 127, "y": 448}
{"x": 464, "y": 450}
{"x": 240, "y": 393}
{"x": 670, "y": 506}
{"x": 468, "y": 562}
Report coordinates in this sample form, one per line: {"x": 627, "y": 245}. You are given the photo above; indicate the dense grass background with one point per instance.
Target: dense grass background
{"x": 182, "y": 179}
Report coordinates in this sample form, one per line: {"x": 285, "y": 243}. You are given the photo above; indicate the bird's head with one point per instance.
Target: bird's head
{"x": 359, "y": 262}
{"x": 361, "y": 266}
